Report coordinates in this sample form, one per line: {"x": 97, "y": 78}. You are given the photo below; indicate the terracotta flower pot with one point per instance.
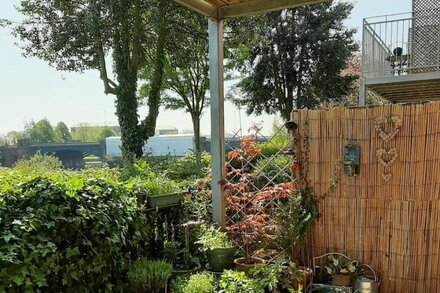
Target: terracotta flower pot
{"x": 245, "y": 264}
{"x": 341, "y": 280}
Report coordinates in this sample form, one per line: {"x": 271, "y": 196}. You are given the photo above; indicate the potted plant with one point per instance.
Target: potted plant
{"x": 154, "y": 189}
{"x": 218, "y": 248}
{"x": 295, "y": 219}
{"x": 340, "y": 269}
{"x": 248, "y": 237}
{"x": 162, "y": 192}
{"x": 181, "y": 259}
{"x": 149, "y": 276}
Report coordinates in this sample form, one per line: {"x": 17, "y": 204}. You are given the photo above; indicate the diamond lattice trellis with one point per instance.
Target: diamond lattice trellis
{"x": 426, "y": 35}
{"x": 258, "y": 173}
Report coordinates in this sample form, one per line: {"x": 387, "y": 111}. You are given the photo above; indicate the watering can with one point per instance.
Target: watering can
{"x": 366, "y": 283}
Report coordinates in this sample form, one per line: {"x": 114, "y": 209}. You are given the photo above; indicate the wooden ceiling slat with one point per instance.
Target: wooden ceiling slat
{"x": 234, "y": 8}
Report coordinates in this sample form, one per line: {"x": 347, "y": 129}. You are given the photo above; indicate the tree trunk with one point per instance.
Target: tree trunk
{"x": 126, "y": 110}
{"x": 196, "y": 128}
{"x": 149, "y": 124}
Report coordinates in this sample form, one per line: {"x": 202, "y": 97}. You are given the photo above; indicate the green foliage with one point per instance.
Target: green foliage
{"x": 200, "y": 283}
{"x": 211, "y": 238}
{"x": 267, "y": 276}
{"x": 82, "y": 35}
{"x": 144, "y": 179}
{"x": 238, "y": 282}
{"x": 189, "y": 167}
{"x": 13, "y": 137}
{"x": 87, "y": 133}
{"x": 105, "y": 132}
{"x": 272, "y": 170}
{"x": 341, "y": 265}
{"x": 179, "y": 284}
{"x": 295, "y": 58}
{"x": 67, "y": 232}
{"x": 187, "y": 68}
{"x": 42, "y": 132}
{"x": 171, "y": 250}
{"x": 149, "y": 276}
{"x": 62, "y": 133}
{"x": 296, "y": 218}
{"x": 39, "y": 163}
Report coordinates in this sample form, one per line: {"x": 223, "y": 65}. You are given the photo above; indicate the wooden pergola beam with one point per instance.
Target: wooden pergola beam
{"x": 243, "y": 9}
{"x": 201, "y": 6}
{"x": 262, "y": 6}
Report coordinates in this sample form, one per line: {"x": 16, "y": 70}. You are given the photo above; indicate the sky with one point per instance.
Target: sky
{"x": 32, "y": 90}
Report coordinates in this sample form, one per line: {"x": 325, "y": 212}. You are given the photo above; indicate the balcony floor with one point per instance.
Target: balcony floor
{"x": 418, "y": 87}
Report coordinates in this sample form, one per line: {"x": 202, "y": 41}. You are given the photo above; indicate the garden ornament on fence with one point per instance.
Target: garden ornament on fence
{"x": 387, "y": 155}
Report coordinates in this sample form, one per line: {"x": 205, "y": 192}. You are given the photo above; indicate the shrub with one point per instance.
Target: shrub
{"x": 200, "y": 283}
{"x": 191, "y": 166}
{"x": 39, "y": 163}
{"x": 144, "y": 179}
{"x": 66, "y": 232}
{"x": 149, "y": 276}
{"x": 274, "y": 168}
{"x": 211, "y": 238}
{"x": 238, "y": 282}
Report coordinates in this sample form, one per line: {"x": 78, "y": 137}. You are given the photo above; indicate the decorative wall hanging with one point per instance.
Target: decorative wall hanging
{"x": 387, "y": 155}
{"x": 380, "y": 123}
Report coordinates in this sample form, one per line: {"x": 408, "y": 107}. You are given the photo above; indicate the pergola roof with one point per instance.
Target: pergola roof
{"x": 220, "y": 9}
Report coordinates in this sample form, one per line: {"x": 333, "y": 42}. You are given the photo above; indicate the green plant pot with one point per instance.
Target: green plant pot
{"x": 180, "y": 272}
{"x": 221, "y": 259}
{"x": 164, "y": 200}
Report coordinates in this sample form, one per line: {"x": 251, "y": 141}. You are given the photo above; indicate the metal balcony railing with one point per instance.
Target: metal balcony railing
{"x": 401, "y": 44}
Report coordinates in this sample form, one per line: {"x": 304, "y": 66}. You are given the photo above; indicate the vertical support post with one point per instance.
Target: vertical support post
{"x": 217, "y": 120}
{"x": 362, "y": 92}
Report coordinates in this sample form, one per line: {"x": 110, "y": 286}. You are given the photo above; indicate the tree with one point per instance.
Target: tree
{"x": 62, "y": 133}
{"x": 187, "y": 69}
{"x": 79, "y": 35}
{"x": 105, "y": 132}
{"x": 14, "y": 136}
{"x": 351, "y": 99}
{"x": 42, "y": 132}
{"x": 297, "y": 59}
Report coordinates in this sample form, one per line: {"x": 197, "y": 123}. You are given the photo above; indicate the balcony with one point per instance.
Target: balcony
{"x": 401, "y": 56}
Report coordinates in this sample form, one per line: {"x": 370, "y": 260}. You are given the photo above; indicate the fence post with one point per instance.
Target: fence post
{"x": 217, "y": 120}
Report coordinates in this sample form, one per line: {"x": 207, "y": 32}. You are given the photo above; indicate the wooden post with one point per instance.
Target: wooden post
{"x": 217, "y": 120}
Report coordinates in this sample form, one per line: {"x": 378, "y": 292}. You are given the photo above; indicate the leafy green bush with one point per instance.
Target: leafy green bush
{"x": 200, "y": 283}
{"x": 191, "y": 166}
{"x": 39, "y": 163}
{"x": 238, "y": 282}
{"x": 276, "y": 168}
{"x": 67, "y": 232}
{"x": 211, "y": 238}
{"x": 144, "y": 179}
{"x": 149, "y": 276}
{"x": 296, "y": 218}
{"x": 271, "y": 276}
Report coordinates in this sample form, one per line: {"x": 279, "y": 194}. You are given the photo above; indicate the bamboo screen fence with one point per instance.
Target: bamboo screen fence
{"x": 389, "y": 215}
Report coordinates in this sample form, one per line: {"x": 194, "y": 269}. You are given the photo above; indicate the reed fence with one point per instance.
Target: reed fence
{"x": 388, "y": 216}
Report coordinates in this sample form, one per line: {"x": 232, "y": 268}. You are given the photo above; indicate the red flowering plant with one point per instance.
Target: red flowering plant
{"x": 249, "y": 209}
